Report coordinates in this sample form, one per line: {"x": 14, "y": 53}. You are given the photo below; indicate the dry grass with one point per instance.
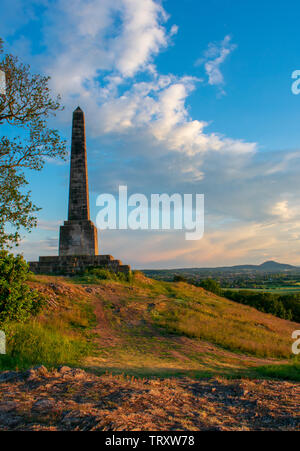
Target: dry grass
{"x": 72, "y": 400}
{"x": 235, "y": 327}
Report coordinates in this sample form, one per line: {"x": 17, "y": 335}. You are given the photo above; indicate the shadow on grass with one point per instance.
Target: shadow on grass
{"x": 288, "y": 372}
{"x": 169, "y": 373}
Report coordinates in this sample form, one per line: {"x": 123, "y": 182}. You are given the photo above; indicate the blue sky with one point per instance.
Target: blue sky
{"x": 180, "y": 96}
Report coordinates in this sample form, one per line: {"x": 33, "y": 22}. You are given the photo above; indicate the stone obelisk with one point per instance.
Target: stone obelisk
{"x": 78, "y": 242}
{"x": 78, "y": 235}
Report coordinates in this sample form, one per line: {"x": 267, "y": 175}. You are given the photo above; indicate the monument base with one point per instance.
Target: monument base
{"x": 78, "y": 238}
{"x": 70, "y": 265}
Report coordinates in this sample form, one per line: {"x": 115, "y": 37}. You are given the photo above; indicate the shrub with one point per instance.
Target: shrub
{"x": 285, "y": 307}
{"x": 98, "y": 273}
{"x": 179, "y": 278}
{"x": 211, "y": 285}
{"x": 101, "y": 273}
{"x": 17, "y": 300}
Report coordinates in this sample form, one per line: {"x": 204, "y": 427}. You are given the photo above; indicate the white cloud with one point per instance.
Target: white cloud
{"x": 142, "y": 35}
{"x": 100, "y": 35}
{"x": 101, "y": 45}
{"x": 214, "y": 57}
{"x": 283, "y": 164}
{"x": 174, "y": 30}
{"x": 158, "y": 108}
{"x": 286, "y": 211}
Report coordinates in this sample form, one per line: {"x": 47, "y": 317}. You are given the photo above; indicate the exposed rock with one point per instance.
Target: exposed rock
{"x": 9, "y": 406}
{"x": 36, "y": 372}
{"x": 9, "y": 376}
{"x": 64, "y": 369}
{"x": 43, "y": 405}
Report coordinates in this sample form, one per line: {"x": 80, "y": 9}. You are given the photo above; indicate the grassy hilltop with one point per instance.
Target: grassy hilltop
{"x": 147, "y": 328}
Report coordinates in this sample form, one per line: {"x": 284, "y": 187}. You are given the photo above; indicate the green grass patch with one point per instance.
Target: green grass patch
{"x": 33, "y": 344}
{"x": 286, "y": 372}
{"x": 97, "y": 274}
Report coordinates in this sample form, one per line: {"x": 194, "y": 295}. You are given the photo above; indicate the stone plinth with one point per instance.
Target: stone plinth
{"x": 72, "y": 265}
{"x": 78, "y": 238}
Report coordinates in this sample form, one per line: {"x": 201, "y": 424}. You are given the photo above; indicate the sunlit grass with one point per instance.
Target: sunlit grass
{"x": 234, "y": 327}
{"x": 33, "y": 344}
{"x": 55, "y": 337}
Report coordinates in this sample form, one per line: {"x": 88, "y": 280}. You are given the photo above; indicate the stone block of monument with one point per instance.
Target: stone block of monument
{"x": 78, "y": 238}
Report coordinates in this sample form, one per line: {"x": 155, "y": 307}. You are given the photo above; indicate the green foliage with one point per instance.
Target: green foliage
{"x": 291, "y": 303}
{"x": 32, "y": 344}
{"x": 211, "y": 285}
{"x": 16, "y": 208}
{"x": 101, "y": 273}
{"x": 282, "y": 306}
{"x": 97, "y": 274}
{"x": 24, "y": 109}
{"x": 17, "y": 300}
{"x": 179, "y": 278}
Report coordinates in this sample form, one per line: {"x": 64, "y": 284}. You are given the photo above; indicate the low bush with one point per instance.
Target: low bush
{"x": 96, "y": 274}
{"x": 17, "y": 300}
{"x": 211, "y": 285}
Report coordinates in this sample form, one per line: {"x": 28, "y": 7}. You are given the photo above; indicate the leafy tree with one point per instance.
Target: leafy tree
{"x": 211, "y": 285}
{"x": 17, "y": 300}
{"x": 285, "y": 306}
{"x": 179, "y": 278}
{"x": 291, "y": 302}
{"x": 25, "y": 107}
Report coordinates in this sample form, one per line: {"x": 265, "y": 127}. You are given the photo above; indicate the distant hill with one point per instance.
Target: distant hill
{"x": 268, "y": 267}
